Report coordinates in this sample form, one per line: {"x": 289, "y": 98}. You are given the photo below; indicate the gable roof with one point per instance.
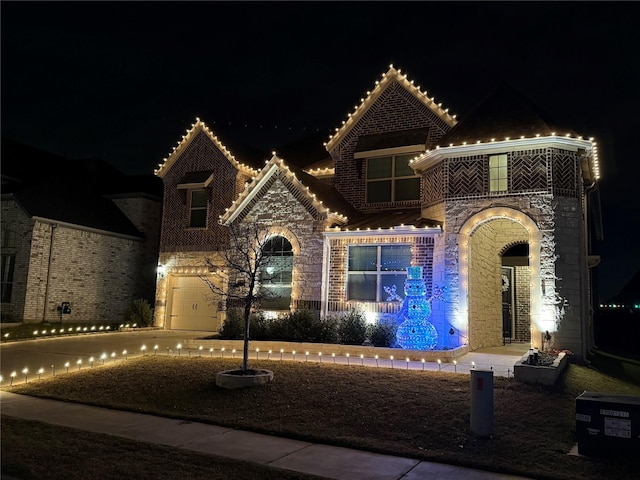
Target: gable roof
{"x": 392, "y": 75}
{"x": 311, "y": 192}
{"x": 50, "y": 200}
{"x": 248, "y": 163}
{"x": 73, "y": 191}
{"x": 305, "y": 152}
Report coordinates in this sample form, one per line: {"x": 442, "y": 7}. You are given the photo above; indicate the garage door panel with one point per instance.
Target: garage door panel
{"x": 194, "y": 306}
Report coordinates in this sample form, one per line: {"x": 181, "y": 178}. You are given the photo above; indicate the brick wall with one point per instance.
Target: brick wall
{"x": 145, "y": 213}
{"x": 200, "y": 155}
{"x": 523, "y": 304}
{"x": 14, "y": 220}
{"x": 422, "y": 254}
{"x": 572, "y": 302}
{"x": 97, "y": 273}
{"x": 396, "y": 109}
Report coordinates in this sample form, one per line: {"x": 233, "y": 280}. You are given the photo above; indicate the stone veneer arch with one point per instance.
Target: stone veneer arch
{"x": 536, "y": 257}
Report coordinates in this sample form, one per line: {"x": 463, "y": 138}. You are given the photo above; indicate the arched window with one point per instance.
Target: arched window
{"x": 276, "y": 274}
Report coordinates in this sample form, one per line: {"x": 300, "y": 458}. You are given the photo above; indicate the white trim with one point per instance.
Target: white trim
{"x": 168, "y": 162}
{"x": 195, "y": 186}
{"x": 87, "y": 229}
{"x": 383, "y": 152}
{"x": 258, "y": 182}
{"x": 372, "y": 97}
{"x": 252, "y": 192}
{"x": 431, "y": 157}
{"x": 401, "y": 230}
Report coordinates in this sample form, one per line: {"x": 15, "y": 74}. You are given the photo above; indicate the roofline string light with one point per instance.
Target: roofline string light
{"x": 177, "y": 150}
{"x": 537, "y": 137}
{"x": 379, "y": 87}
{"x": 277, "y": 162}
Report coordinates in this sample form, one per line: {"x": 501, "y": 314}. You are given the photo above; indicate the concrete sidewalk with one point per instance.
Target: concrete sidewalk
{"x": 323, "y": 460}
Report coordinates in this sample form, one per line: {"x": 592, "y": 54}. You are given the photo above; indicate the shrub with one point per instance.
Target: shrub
{"x": 259, "y": 327}
{"x": 383, "y": 333}
{"x": 139, "y": 312}
{"x": 306, "y": 326}
{"x": 329, "y": 330}
{"x": 233, "y": 326}
{"x": 352, "y": 329}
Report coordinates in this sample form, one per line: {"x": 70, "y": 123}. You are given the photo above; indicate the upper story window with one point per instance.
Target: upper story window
{"x": 498, "y": 173}
{"x": 391, "y": 179}
{"x": 198, "y": 208}
{"x": 373, "y": 267}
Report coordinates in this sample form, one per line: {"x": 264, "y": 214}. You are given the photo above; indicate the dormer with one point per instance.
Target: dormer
{"x": 394, "y": 123}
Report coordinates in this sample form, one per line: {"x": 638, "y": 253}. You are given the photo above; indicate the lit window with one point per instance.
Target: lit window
{"x": 374, "y": 267}
{"x": 391, "y": 179}
{"x": 498, "y": 173}
{"x": 198, "y": 209}
{"x": 276, "y": 274}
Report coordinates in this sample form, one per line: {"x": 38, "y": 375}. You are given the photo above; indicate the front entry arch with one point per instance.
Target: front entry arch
{"x": 484, "y": 238}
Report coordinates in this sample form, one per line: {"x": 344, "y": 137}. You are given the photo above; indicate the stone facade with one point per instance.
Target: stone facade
{"x": 282, "y": 213}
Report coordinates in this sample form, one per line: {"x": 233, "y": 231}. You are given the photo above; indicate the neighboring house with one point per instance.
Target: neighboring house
{"x": 75, "y": 231}
{"x": 494, "y": 208}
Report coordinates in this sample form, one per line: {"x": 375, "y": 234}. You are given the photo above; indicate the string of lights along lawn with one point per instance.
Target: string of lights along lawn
{"x": 177, "y": 350}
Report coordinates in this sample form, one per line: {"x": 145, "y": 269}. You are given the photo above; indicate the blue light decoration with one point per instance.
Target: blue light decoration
{"x": 415, "y": 332}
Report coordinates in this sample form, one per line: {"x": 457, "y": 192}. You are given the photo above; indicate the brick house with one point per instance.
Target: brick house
{"x": 76, "y": 231}
{"x": 493, "y": 208}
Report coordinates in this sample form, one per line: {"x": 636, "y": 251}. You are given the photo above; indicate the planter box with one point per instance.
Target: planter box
{"x": 537, "y": 374}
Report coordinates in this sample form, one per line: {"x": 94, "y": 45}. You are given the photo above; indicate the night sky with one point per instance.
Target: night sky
{"x": 123, "y": 81}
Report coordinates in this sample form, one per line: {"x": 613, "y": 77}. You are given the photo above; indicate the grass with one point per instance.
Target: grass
{"x": 34, "y": 450}
{"x": 423, "y": 415}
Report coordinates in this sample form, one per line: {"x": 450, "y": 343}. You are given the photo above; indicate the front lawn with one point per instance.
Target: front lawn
{"x": 421, "y": 414}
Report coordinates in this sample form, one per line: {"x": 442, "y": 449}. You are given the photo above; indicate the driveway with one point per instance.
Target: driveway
{"x": 45, "y": 352}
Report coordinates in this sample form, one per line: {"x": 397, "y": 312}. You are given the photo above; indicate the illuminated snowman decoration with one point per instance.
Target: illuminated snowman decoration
{"x": 415, "y": 332}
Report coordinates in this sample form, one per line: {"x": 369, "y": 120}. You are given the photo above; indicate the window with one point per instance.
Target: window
{"x": 374, "y": 267}
{"x": 198, "y": 209}
{"x": 498, "y": 179}
{"x": 391, "y": 179}
{"x": 276, "y": 274}
{"x": 7, "y": 267}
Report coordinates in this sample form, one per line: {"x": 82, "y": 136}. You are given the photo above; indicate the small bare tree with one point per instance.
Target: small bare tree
{"x": 246, "y": 260}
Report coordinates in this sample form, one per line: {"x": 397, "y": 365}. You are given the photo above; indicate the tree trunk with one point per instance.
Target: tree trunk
{"x": 247, "y": 323}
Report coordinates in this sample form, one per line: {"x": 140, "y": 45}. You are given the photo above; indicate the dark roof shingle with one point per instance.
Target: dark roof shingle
{"x": 503, "y": 113}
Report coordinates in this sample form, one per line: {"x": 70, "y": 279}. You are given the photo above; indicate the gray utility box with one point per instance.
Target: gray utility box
{"x": 607, "y": 425}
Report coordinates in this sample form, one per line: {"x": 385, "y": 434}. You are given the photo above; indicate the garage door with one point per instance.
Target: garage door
{"x": 193, "y": 306}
